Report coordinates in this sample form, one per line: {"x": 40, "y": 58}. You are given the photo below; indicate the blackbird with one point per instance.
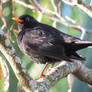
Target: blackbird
{"x": 45, "y": 44}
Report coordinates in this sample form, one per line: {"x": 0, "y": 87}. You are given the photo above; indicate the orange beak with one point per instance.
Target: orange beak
{"x": 17, "y": 20}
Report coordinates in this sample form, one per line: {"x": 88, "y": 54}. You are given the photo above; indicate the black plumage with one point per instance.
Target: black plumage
{"x": 45, "y": 44}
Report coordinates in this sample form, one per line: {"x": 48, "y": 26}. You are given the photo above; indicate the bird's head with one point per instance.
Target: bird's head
{"x": 25, "y": 21}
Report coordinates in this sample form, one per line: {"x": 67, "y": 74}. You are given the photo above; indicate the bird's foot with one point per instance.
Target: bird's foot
{"x": 41, "y": 76}
{"x": 51, "y": 67}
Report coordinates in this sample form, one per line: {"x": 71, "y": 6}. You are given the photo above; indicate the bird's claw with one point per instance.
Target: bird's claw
{"x": 41, "y": 76}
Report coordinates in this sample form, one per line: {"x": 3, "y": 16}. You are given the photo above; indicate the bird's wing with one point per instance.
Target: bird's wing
{"x": 43, "y": 43}
{"x": 60, "y": 35}
{"x": 70, "y": 43}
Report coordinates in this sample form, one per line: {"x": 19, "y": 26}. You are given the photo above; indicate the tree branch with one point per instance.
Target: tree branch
{"x": 65, "y": 68}
{"x": 79, "y": 4}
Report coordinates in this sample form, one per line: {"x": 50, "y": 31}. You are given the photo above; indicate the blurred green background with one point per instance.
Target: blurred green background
{"x": 9, "y": 11}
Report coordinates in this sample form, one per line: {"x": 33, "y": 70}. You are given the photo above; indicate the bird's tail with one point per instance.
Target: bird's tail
{"x": 77, "y": 57}
{"x": 82, "y": 44}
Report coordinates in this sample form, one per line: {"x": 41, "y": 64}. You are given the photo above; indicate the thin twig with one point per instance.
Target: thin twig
{"x": 59, "y": 5}
{"x": 25, "y": 5}
{"x": 36, "y": 5}
{"x": 55, "y": 10}
{"x": 13, "y": 6}
{"x": 2, "y": 18}
{"x": 68, "y": 2}
{"x": 74, "y": 22}
{"x": 80, "y": 5}
{"x": 54, "y": 5}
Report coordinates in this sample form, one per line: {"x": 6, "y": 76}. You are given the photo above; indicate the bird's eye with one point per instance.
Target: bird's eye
{"x": 27, "y": 19}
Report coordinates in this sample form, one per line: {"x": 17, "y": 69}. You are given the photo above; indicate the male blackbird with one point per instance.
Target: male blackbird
{"x": 45, "y": 44}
